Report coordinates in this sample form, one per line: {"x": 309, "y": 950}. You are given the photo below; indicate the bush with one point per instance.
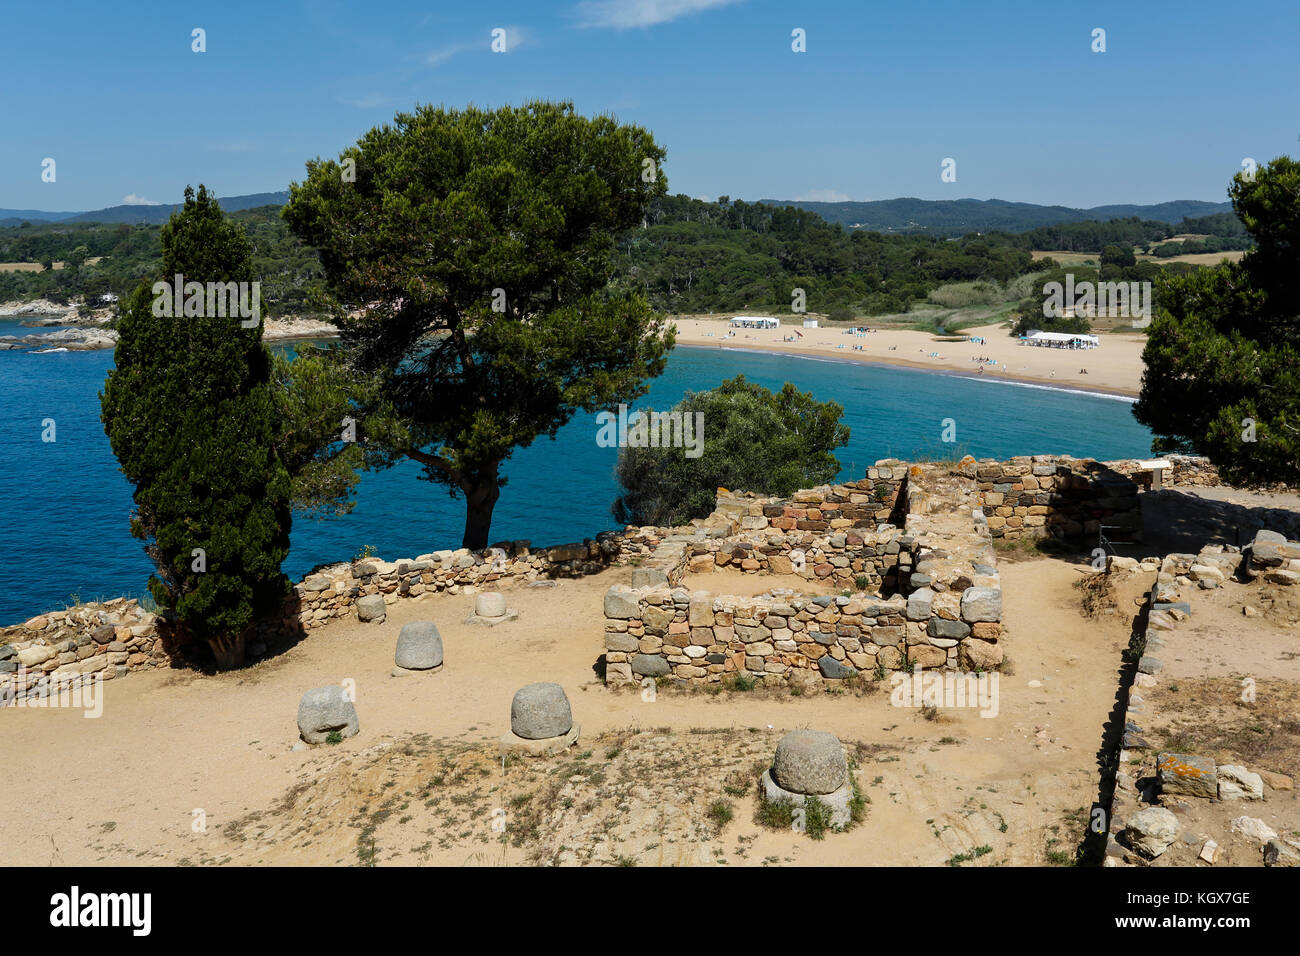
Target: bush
{"x": 747, "y": 439}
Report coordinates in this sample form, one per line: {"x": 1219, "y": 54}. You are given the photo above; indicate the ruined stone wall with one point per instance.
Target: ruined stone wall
{"x": 701, "y": 638}
{"x": 1057, "y": 495}
{"x": 113, "y": 638}
{"x": 832, "y": 534}
{"x": 938, "y": 600}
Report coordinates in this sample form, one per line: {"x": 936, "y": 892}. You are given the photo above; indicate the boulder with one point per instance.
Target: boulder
{"x": 981, "y": 655}
{"x": 649, "y": 578}
{"x": 324, "y": 710}
{"x": 371, "y": 608}
{"x": 1277, "y": 853}
{"x": 1151, "y": 830}
{"x": 810, "y": 762}
{"x": 34, "y": 655}
{"x": 419, "y": 646}
{"x": 1254, "y": 828}
{"x": 1238, "y": 783}
{"x": 919, "y": 604}
{"x": 539, "y": 711}
{"x": 833, "y": 670}
{"x": 1188, "y": 775}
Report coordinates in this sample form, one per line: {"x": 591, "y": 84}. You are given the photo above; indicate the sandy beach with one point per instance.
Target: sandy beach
{"x": 1114, "y": 368}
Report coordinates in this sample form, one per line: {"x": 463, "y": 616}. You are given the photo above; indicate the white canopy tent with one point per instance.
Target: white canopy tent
{"x": 1063, "y": 340}
{"x": 755, "y": 322}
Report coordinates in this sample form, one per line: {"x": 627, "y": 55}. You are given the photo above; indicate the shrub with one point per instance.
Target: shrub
{"x": 750, "y": 439}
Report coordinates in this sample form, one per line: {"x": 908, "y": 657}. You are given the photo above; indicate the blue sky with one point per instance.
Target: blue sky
{"x": 1012, "y": 91}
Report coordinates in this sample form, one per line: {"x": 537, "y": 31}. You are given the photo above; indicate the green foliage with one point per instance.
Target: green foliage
{"x": 316, "y": 391}
{"x": 774, "y": 814}
{"x": 817, "y": 815}
{"x": 720, "y": 813}
{"x": 1224, "y": 349}
{"x": 753, "y": 440}
{"x": 1113, "y": 255}
{"x": 191, "y": 417}
{"x": 451, "y": 209}
{"x": 695, "y": 256}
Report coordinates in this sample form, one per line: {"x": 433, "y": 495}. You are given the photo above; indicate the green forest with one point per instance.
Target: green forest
{"x": 688, "y": 256}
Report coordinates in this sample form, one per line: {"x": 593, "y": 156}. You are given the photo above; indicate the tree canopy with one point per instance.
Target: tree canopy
{"x": 753, "y": 440}
{"x": 1222, "y": 358}
{"x": 189, "y": 412}
{"x": 468, "y": 252}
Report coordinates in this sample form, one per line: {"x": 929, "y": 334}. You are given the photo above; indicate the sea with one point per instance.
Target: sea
{"x": 65, "y": 507}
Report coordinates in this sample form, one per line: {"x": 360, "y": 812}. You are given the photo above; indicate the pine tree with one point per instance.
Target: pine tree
{"x": 189, "y": 411}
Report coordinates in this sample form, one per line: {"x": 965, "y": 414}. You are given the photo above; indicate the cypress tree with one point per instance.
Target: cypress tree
{"x": 190, "y": 414}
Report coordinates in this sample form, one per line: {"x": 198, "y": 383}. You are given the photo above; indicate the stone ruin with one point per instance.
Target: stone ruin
{"x": 324, "y": 711}
{"x": 926, "y": 592}
{"x": 490, "y": 610}
{"x": 541, "y": 722}
{"x": 811, "y": 763}
{"x": 419, "y": 649}
{"x": 1138, "y": 830}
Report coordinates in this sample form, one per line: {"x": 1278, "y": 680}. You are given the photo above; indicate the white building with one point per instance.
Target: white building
{"x": 755, "y": 322}
{"x": 810, "y": 323}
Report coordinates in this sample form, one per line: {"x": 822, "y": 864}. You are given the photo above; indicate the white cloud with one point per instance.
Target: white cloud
{"x": 438, "y": 57}
{"x": 822, "y": 195}
{"x": 627, "y": 14}
{"x": 133, "y": 200}
{"x": 515, "y": 38}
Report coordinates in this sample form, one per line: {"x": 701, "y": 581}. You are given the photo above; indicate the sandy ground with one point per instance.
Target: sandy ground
{"x": 1115, "y": 367}
{"x": 422, "y": 780}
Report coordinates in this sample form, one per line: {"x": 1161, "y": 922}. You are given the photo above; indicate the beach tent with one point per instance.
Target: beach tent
{"x": 810, "y": 323}
{"x": 755, "y": 322}
{"x": 1063, "y": 340}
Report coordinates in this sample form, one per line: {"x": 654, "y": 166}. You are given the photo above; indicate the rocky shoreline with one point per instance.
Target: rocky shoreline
{"x": 78, "y": 333}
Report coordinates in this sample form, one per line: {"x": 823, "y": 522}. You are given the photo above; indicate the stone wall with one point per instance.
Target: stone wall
{"x": 939, "y": 601}
{"x": 117, "y": 637}
{"x": 102, "y": 640}
{"x": 837, "y": 534}
{"x": 1055, "y": 494}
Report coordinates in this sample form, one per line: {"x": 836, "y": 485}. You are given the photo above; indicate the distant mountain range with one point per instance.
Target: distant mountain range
{"x": 137, "y": 213}
{"x": 956, "y": 217}
{"x": 942, "y": 217}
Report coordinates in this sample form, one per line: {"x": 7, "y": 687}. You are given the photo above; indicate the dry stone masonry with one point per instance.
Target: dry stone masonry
{"x": 935, "y": 597}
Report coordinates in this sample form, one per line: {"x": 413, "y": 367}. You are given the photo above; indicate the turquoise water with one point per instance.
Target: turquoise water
{"x": 66, "y": 507}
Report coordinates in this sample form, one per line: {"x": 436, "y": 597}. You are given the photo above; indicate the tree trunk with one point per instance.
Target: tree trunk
{"x": 480, "y": 500}
{"x": 229, "y": 651}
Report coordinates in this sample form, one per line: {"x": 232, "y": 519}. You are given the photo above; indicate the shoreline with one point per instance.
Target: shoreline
{"x": 1112, "y": 371}
{"x": 1021, "y": 381}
